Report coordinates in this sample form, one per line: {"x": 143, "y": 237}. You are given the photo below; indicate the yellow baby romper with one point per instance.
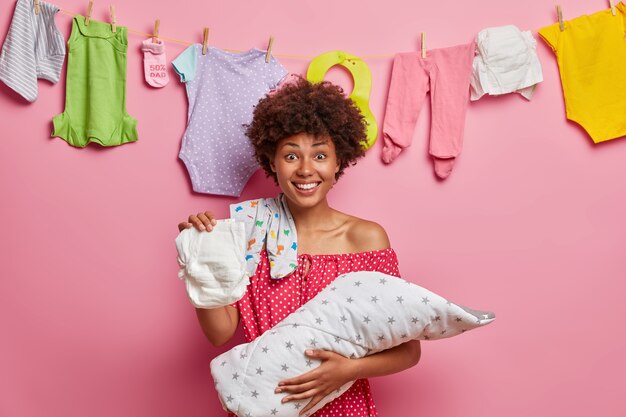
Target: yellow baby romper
{"x": 591, "y": 54}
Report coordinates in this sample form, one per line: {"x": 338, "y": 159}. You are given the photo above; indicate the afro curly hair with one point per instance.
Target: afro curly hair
{"x": 318, "y": 109}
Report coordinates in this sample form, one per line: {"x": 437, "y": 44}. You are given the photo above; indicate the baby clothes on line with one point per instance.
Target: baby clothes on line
{"x": 506, "y": 62}
{"x": 34, "y": 48}
{"x": 268, "y": 223}
{"x": 212, "y": 264}
{"x": 222, "y": 89}
{"x": 95, "y": 97}
{"x": 445, "y": 73}
{"x": 155, "y": 63}
{"x": 591, "y": 56}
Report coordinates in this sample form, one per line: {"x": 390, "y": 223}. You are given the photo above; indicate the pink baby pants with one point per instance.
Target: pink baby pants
{"x": 445, "y": 73}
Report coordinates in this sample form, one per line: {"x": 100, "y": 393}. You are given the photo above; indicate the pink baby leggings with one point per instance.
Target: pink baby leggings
{"x": 445, "y": 73}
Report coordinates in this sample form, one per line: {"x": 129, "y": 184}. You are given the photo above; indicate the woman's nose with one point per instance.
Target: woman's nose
{"x": 306, "y": 167}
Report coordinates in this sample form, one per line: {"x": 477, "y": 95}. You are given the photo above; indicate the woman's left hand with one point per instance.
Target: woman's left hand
{"x": 334, "y": 371}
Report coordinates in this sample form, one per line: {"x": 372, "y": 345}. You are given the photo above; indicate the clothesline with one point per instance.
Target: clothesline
{"x": 308, "y": 58}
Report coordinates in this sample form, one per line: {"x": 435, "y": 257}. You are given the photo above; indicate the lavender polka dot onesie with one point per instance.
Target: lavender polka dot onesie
{"x": 222, "y": 89}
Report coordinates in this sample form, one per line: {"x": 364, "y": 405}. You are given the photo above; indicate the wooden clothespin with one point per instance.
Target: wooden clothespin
{"x": 205, "y": 41}
{"x": 37, "y": 9}
{"x": 612, "y": 7}
{"x": 89, "y": 10}
{"x": 423, "y": 44}
{"x": 113, "y": 21}
{"x": 269, "y": 50}
{"x": 559, "y": 14}
{"x": 155, "y": 33}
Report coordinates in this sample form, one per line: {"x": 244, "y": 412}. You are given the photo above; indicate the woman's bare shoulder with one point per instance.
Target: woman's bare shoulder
{"x": 365, "y": 235}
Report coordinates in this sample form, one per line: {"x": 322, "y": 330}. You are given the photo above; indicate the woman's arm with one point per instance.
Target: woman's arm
{"x": 218, "y": 324}
{"x": 337, "y": 370}
{"x": 389, "y": 361}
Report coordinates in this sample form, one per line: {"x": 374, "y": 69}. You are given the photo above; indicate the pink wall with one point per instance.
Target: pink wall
{"x": 531, "y": 224}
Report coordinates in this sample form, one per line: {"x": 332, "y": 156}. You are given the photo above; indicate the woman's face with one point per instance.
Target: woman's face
{"x": 305, "y": 166}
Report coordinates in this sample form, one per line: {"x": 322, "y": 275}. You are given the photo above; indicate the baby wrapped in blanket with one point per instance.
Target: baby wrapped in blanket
{"x": 360, "y": 313}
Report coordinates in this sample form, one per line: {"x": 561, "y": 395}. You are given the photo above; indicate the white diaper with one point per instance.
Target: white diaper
{"x": 507, "y": 62}
{"x": 212, "y": 264}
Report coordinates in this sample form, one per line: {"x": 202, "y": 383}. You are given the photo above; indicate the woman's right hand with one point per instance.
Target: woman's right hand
{"x": 201, "y": 221}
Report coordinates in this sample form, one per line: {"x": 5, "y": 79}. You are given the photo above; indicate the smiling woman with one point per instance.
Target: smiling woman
{"x": 320, "y": 110}
{"x": 304, "y": 137}
{"x": 305, "y": 167}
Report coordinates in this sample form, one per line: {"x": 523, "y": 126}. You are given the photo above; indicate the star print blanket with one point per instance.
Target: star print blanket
{"x": 360, "y": 313}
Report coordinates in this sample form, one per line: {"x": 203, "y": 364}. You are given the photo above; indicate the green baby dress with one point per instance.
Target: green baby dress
{"x": 95, "y": 97}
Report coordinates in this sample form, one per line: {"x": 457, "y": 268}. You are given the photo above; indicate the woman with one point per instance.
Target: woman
{"x": 304, "y": 137}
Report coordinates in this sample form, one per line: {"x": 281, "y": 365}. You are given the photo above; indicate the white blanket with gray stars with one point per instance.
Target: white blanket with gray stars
{"x": 358, "y": 314}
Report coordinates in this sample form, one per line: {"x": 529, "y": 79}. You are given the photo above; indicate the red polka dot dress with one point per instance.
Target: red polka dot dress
{"x": 267, "y": 301}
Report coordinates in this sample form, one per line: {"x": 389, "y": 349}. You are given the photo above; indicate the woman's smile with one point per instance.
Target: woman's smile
{"x": 306, "y": 187}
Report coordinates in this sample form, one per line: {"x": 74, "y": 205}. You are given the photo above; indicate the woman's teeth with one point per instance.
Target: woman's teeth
{"x": 307, "y": 186}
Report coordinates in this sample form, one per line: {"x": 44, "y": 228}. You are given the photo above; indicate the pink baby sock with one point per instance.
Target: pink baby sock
{"x": 443, "y": 166}
{"x": 154, "y": 63}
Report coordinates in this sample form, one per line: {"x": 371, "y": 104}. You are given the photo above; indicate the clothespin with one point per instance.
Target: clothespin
{"x": 269, "y": 50}
{"x": 89, "y": 10}
{"x": 423, "y": 44}
{"x": 559, "y": 14}
{"x": 205, "y": 41}
{"x": 612, "y": 7}
{"x": 37, "y": 9}
{"x": 113, "y": 21}
{"x": 155, "y": 33}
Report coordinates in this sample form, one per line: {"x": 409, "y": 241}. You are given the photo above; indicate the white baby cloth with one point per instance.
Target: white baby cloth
{"x": 212, "y": 264}
{"x": 269, "y": 225}
{"x": 506, "y": 62}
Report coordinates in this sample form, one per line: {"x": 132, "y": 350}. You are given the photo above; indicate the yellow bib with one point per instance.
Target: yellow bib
{"x": 362, "y": 78}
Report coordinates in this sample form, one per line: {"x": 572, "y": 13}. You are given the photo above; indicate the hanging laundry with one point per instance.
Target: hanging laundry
{"x": 222, "y": 89}
{"x": 34, "y": 48}
{"x": 591, "y": 55}
{"x": 155, "y": 63}
{"x": 445, "y": 73}
{"x": 95, "y": 97}
{"x": 506, "y": 62}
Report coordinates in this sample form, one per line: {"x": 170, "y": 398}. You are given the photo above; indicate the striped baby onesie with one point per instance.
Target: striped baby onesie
{"x": 34, "y": 48}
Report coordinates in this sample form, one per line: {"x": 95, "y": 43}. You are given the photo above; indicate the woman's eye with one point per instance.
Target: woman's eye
{"x": 291, "y": 157}
{"x": 320, "y": 156}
